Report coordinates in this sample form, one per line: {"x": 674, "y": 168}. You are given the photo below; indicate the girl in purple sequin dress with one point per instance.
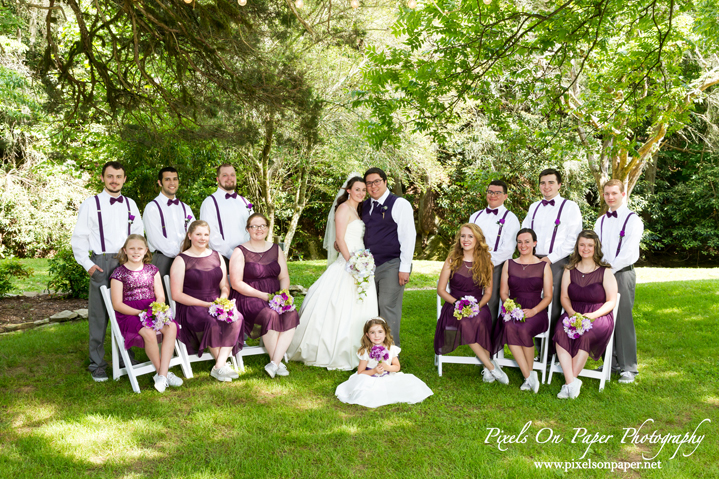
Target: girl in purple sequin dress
{"x": 134, "y": 285}
{"x": 589, "y": 288}
{"x": 468, "y": 269}
{"x": 257, "y": 269}
{"x": 197, "y": 278}
{"x": 523, "y": 280}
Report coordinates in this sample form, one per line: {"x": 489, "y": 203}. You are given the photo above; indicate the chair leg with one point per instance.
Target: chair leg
{"x": 545, "y": 353}
{"x": 130, "y": 371}
{"x": 115, "y": 358}
{"x": 184, "y": 360}
{"x": 551, "y": 370}
{"x": 240, "y": 362}
{"x": 186, "y": 357}
{"x": 439, "y": 365}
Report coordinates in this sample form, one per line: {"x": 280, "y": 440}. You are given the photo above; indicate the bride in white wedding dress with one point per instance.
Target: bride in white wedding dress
{"x": 332, "y": 316}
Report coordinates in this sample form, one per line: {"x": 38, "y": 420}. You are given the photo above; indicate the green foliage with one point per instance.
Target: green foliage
{"x": 11, "y": 269}
{"x": 67, "y": 276}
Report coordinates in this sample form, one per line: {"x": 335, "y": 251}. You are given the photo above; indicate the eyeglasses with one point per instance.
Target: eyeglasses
{"x": 373, "y": 183}
{"x": 495, "y": 193}
{"x": 258, "y": 227}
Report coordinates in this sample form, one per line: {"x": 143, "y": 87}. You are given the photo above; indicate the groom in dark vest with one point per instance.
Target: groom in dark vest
{"x": 390, "y": 237}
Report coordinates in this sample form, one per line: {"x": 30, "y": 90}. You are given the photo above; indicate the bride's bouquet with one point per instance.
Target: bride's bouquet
{"x": 576, "y": 325}
{"x": 282, "y": 301}
{"x": 156, "y": 316}
{"x": 361, "y": 266}
{"x": 512, "y": 311}
{"x": 466, "y": 307}
{"x": 225, "y": 310}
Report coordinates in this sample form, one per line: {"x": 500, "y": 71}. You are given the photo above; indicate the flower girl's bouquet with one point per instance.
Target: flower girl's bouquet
{"x": 225, "y": 310}
{"x": 282, "y": 301}
{"x": 576, "y": 325}
{"x": 380, "y": 354}
{"x": 466, "y": 307}
{"x": 361, "y": 266}
{"x": 512, "y": 311}
{"x": 156, "y": 316}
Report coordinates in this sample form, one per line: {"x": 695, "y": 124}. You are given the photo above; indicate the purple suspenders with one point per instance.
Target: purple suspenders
{"x": 499, "y": 233}
{"x": 162, "y": 217}
{"x": 475, "y": 218}
{"x": 556, "y": 226}
{"x": 621, "y": 233}
{"x": 99, "y": 221}
{"x": 219, "y": 220}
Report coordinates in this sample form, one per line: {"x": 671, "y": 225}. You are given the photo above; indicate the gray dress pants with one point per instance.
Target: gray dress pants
{"x": 390, "y": 295}
{"x": 96, "y": 313}
{"x": 163, "y": 263}
{"x": 494, "y": 300}
{"x": 625, "y": 336}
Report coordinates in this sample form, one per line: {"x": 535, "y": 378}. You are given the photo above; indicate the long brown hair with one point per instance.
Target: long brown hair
{"x": 575, "y": 259}
{"x": 482, "y": 267}
{"x": 122, "y": 256}
{"x": 193, "y": 226}
{"x": 345, "y": 196}
{"x": 366, "y": 343}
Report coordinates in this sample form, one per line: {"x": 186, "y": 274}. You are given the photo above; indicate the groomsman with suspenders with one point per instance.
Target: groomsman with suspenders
{"x": 104, "y": 222}
{"x": 166, "y": 219}
{"x": 557, "y": 222}
{"x": 226, "y": 212}
{"x": 620, "y": 231}
{"x": 500, "y": 227}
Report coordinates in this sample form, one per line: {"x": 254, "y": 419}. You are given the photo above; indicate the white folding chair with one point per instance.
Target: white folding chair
{"x": 605, "y": 374}
{"x": 440, "y": 359}
{"x": 543, "y": 353}
{"x": 118, "y": 350}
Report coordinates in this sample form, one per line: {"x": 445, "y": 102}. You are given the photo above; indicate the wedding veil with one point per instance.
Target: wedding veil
{"x": 330, "y": 230}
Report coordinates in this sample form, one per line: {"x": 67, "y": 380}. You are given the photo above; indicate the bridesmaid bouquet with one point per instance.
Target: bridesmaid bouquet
{"x": 466, "y": 307}
{"x": 156, "y": 316}
{"x": 282, "y": 301}
{"x": 576, "y": 325}
{"x": 380, "y": 354}
{"x": 361, "y": 266}
{"x": 512, "y": 311}
{"x": 225, "y": 310}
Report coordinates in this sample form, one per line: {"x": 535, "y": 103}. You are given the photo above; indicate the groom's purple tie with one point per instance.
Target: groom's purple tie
{"x": 375, "y": 206}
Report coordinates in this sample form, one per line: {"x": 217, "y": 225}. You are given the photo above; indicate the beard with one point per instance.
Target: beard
{"x": 229, "y": 186}
{"x": 113, "y": 190}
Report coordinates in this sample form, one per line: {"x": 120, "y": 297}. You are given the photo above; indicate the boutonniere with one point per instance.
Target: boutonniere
{"x": 249, "y": 206}
{"x": 130, "y": 218}
{"x": 501, "y": 221}
{"x": 557, "y": 223}
{"x": 621, "y": 234}
{"x": 187, "y": 220}
{"x": 383, "y": 208}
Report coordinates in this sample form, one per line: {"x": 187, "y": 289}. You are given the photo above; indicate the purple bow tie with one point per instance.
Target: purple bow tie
{"x": 119, "y": 199}
{"x": 233, "y": 196}
{"x": 173, "y": 202}
{"x": 545, "y": 202}
{"x": 612, "y": 214}
{"x": 489, "y": 212}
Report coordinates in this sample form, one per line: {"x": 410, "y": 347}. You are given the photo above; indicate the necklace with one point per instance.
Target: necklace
{"x": 592, "y": 271}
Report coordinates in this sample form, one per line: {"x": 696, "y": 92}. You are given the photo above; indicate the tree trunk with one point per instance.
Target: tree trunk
{"x": 300, "y": 202}
{"x": 265, "y": 182}
{"x": 651, "y": 174}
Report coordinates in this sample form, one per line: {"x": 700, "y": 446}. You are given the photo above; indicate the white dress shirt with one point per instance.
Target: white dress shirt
{"x": 176, "y": 223}
{"x": 569, "y": 227}
{"x": 115, "y": 219}
{"x": 234, "y": 213}
{"x": 609, "y": 233}
{"x": 489, "y": 224}
{"x": 403, "y": 215}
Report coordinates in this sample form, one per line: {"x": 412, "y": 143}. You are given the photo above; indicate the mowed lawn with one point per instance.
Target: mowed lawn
{"x": 56, "y": 422}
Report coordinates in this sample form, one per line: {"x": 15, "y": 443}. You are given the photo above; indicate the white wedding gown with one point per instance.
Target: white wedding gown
{"x": 332, "y": 317}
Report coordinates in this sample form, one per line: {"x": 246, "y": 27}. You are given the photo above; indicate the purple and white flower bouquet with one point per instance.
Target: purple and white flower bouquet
{"x": 512, "y": 311}
{"x": 225, "y": 310}
{"x": 156, "y": 316}
{"x": 361, "y": 266}
{"x": 466, "y": 307}
{"x": 576, "y": 325}
{"x": 380, "y": 354}
{"x": 282, "y": 301}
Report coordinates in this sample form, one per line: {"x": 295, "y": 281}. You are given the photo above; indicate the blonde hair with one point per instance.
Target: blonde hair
{"x": 193, "y": 226}
{"x": 482, "y": 267}
{"x": 614, "y": 182}
{"x": 122, "y": 256}
{"x": 366, "y": 343}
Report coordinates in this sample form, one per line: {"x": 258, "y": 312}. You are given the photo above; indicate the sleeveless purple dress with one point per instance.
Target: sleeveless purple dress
{"x": 526, "y": 283}
{"x": 586, "y": 292}
{"x": 138, "y": 291}
{"x": 200, "y": 330}
{"x": 261, "y": 272}
{"x": 451, "y": 332}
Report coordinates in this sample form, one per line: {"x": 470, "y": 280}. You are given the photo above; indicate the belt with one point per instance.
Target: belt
{"x": 624, "y": 270}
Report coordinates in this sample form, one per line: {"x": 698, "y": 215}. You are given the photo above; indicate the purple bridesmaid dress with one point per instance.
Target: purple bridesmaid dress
{"x": 451, "y": 332}
{"x": 525, "y": 287}
{"x": 200, "y": 330}
{"x": 586, "y": 292}
{"x": 261, "y": 272}
{"x": 138, "y": 291}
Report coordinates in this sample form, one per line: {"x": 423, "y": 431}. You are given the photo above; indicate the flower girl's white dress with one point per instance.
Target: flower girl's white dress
{"x": 372, "y": 391}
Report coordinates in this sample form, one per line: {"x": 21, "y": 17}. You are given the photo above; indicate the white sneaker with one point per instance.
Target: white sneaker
{"x": 221, "y": 374}
{"x": 527, "y": 384}
{"x": 232, "y": 373}
{"x": 574, "y": 388}
{"x": 564, "y": 392}
{"x": 487, "y": 376}
{"x": 626, "y": 377}
{"x": 282, "y": 370}
{"x": 173, "y": 380}
{"x": 498, "y": 374}
{"x": 160, "y": 383}
{"x": 271, "y": 369}
{"x": 534, "y": 378}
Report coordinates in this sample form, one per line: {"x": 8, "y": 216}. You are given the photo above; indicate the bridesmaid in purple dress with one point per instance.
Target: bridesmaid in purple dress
{"x": 523, "y": 280}
{"x": 589, "y": 288}
{"x": 197, "y": 278}
{"x": 257, "y": 269}
{"x": 134, "y": 285}
{"x": 468, "y": 269}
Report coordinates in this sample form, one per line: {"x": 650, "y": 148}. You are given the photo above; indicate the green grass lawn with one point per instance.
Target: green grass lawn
{"x": 36, "y": 282}
{"x": 56, "y": 422}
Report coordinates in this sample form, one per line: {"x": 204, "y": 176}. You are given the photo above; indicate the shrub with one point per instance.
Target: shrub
{"x": 9, "y": 269}
{"x": 66, "y": 276}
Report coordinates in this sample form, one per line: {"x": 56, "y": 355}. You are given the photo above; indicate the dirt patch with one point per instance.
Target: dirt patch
{"x": 23, "y": 309}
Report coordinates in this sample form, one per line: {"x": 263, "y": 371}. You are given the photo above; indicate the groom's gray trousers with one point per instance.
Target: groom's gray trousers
{"x": 390, "y": 295}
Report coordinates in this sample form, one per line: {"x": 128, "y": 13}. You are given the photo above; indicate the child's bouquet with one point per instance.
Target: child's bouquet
{"x": 156, "y": 316}
{"x": 466, "y": 307}
{"x": 576, "y": 325}
{"x": 361, "y": 266}
{"x": 282, "y": 301}
{"x": 380, "y": 354}
{"x": 512, "y": 311}
{"x": 225, "y": 310}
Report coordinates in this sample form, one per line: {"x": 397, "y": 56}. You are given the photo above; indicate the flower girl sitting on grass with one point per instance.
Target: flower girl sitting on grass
{"x": 134, "y": 286}
{"x": 378, "y": 381}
